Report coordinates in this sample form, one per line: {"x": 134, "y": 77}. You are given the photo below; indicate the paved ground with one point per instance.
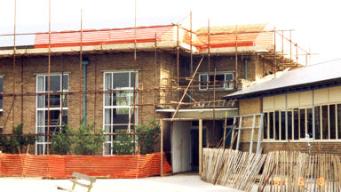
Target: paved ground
{"x": 177, "y": 183}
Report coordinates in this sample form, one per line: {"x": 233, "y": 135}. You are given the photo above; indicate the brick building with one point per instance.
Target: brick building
{"x": 117, "y": 78}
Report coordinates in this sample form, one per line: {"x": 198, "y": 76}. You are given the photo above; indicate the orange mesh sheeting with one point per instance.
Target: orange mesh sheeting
{"x": 56, "y": 166}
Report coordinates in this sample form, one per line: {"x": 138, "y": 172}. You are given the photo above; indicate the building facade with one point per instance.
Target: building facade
{"x": 115, "y": 79}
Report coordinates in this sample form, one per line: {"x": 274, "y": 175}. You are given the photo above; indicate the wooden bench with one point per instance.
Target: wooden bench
{"x": 80, "y": 180}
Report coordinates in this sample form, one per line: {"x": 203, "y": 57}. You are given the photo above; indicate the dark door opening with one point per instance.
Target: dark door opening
{"x": 195, "y": 149}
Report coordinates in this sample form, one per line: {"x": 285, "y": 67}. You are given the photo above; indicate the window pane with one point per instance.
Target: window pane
{"x": 325, "y": 122}
{"x": 332, "y": 121}
{"x": 107, "y": 129}
{"x": 107, "y": 149}
{"x": 54, "y": 101}
{"x": 41, "y": 118}
{"x": 203, "y": 78}
{"x": 120, "y": 80}
{"x": 132, "y": 79}
{"x": 107, "y": 98}
{"x": 283, "y": 128}
{"x": 317, "y": 123}
{"x": 120, "y": 128}
{"x": 229, "y": 77}
{"x": 302, "y": 123}
{"x": 309, "y": 122}
{"x": 229, "y": 80}
{"x": 41, "y": 149}
{"x": 271, "y": 125}
{"x": 277, "y": 123}
{"x": 64, "y": 100}
{"x": 55, "y": 117}
{"x": 55, "y": 83}
{"x": 41, "y": 101}
{"x": 123, "y": 98}
{"x": 40, "y": 83}
{"x": 108, "y": 81}
{"x": 107, "y": 115}
{"x": 290, "y": 127}
{"x": 296, "y": 122}
{"x": 65, "y": 82}
{"x": 121, "y": 116}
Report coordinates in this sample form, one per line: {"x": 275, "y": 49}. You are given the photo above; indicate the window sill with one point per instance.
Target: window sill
{"x": 218, "y": 89}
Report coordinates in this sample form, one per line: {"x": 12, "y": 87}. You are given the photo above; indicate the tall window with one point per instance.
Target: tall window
{"x": 1, "y": 93}
{"x": 51, "y": 112}
{"x": 119, "y": 111}
{"x": 221, "y": 80}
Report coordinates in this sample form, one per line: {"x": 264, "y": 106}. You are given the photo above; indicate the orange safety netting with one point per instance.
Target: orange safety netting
{"x": 62, "y": 166}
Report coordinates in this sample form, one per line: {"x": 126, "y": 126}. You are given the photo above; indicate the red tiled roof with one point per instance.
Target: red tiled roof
{"x": 104, "y": 36}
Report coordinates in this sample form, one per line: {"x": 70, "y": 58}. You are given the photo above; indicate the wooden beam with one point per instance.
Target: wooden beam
{"x": 200, "y": 145}
{"x": 162, "y": 126}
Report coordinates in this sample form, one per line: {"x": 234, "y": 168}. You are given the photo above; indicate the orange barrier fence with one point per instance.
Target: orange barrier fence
{"x": 62, "y": 166}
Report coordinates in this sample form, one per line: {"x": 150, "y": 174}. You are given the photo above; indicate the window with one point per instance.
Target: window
{"x": 51, "y": 111}
{"x": 220, "y": 80}
{"x": 1, "y": 93}
{"x": 119, "y": 110}
{"x": 318, "y": 123}
{"x": 203, "y": 81}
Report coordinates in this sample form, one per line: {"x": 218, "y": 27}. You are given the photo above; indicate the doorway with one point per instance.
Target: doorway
{"x": 185, "y": 146}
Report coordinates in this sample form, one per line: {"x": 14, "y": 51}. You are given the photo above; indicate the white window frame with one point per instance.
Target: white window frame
{"x": 44, "y": 109}
{"x": 201, "y": 82}
{"x": 305, "y": 125}
{"x": 225, "y": 85}
{"x": 129, "y": 107}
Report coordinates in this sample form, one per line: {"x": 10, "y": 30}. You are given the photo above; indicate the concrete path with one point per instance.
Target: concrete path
{"x": 176, "y": 183}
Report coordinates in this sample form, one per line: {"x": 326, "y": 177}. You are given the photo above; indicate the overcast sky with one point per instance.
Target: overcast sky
{"x": 315, "y": 22}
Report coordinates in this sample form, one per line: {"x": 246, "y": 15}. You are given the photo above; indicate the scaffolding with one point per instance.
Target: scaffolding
{"x": 176, "y": 91}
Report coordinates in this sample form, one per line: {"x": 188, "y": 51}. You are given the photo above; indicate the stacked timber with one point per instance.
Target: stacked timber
{"x": 231, "y": 167}
{"x": 275, "y": 171}
{"x": 295, "y": 171}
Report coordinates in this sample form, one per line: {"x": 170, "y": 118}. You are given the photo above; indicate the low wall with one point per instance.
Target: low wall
{"x": 62, "y": 166}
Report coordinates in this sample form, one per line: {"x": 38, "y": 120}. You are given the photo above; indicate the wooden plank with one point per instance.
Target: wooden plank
{"x": 260, "y": 134}
{"x": 252, "y": 133}
{"x": 239, "y": 132}
{"x": 224, "y": 133}
{"x": 162, "y": 125}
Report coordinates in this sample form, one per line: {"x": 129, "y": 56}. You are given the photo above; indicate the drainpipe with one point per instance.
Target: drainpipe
{"x": 85, "y": 63}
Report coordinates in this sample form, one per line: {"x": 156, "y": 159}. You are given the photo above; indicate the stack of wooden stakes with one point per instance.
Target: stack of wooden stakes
{"x": 231, "y": 167}
{"x": 275, "y": 171}
{"x": 295, "y": 171}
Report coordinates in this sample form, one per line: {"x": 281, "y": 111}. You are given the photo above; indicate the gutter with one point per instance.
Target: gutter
{"x": 85, "y": 63}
